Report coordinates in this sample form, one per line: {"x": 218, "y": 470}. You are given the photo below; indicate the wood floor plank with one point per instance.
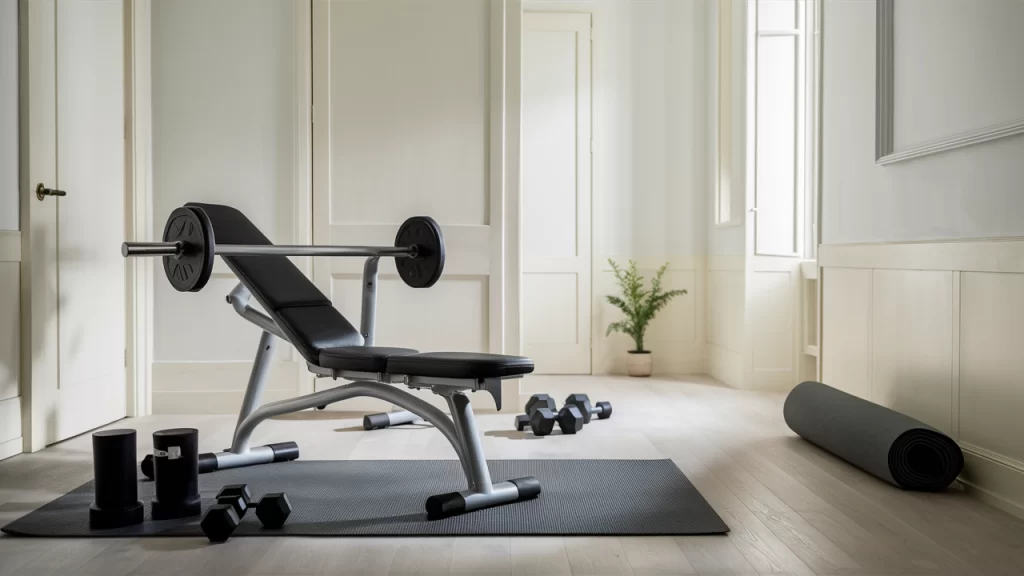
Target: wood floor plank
{"x": 597, "y": 557}
{"x": 759, "y": 545}
{"x": 714, "y": 556}
{"x": 539, "y": 557}
{"x": 812, "y": 547}
{"x": 423, "y": 557}
{"x": 650, "y": 556}
{"x": 482, "y": 556}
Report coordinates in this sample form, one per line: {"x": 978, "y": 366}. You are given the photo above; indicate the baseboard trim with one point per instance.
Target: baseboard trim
{"x": 12, "y": 447}
{"x": 993, "y": 481}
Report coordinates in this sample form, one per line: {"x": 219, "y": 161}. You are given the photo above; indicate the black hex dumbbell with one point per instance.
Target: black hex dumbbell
{"x": 273, "y": 510}
{"x": 569, "y": 420}
{"x": 220, "y": 522}
{"x": 603, "y": 410}
{"x": 522, "y": 422}
{"x": 535, "y": 402}
{"x": 237, "y": 496}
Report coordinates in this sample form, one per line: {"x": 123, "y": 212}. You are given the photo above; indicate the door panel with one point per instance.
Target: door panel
{"x": 405, "y": 109}
{"x": 76, "y": 125}
{"x": 556, "y": 192}
{"x": 90, "y": 219}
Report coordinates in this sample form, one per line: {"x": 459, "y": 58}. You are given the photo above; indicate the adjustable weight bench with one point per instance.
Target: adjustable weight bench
{"x": 299, "y": 313}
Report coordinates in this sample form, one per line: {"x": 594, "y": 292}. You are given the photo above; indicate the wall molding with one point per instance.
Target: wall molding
{"x": 1000, "y": 255}
{"x": 10, "y": 246}
{"x": 885, "y": 75}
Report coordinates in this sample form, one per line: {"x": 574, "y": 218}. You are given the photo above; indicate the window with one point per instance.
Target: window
{"x": 782, "y": 77}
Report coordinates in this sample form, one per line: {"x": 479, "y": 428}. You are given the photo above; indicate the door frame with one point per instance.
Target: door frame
{"x": 139, "y": 272}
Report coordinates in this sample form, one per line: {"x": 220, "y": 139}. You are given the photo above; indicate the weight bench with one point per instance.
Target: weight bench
{"x": 299, "y": 313}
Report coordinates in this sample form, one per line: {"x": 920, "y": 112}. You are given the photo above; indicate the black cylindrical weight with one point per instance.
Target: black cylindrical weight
{"x": 176, "y": 472}
{"x": 117, "y": 493}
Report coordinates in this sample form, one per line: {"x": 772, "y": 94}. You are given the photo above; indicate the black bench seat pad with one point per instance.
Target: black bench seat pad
{"x": 460, "y": 365}
{"x": 360, "y": 358}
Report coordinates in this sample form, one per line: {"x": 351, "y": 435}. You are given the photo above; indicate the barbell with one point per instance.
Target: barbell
{"x": 188, "y": 248}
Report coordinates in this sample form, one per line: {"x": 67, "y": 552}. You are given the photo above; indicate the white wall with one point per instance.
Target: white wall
{"x": 650, "y": 165}
{"x": 931, "y": 329}
{"x": 225, "y": 129}
{"x": 972, "y": 192}
{"x": 8, "y": 114}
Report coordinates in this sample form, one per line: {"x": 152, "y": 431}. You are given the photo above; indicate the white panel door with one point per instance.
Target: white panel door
{"x": 407, "y": 110}
{"x": 76, "y": 93}
{"x": 556, "y": 192}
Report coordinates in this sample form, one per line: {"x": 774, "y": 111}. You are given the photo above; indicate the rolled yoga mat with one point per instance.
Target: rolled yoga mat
{"x": 879, "y": 441}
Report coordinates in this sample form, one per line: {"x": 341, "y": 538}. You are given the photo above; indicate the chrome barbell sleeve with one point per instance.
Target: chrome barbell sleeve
{"x": 151, "y": 249}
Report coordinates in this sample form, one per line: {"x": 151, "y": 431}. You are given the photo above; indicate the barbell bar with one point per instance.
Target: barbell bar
{"x": 178, "y": 249}
{"x": 188, "y": 249}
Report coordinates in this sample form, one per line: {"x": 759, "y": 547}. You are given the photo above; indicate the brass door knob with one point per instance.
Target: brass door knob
{"x": 43, "y": 192}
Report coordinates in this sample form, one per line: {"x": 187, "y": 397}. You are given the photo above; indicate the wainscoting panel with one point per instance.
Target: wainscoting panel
{"x": 846, "y": 304}
{"x": 772, "y": 323}
{"x": 912, "y": 344}
{"x": 726, "y": 306}
{"x": 936, "y": 331}
{"x": 992, "y": 363}
{"x": 10, "y": 344}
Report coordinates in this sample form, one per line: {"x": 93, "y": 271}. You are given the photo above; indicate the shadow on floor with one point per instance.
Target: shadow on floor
{"x": 321, "y": 415}
{"x": 512, "y": 435}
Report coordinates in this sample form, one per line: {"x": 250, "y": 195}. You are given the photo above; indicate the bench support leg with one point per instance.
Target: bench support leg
{"x": 482, "y": 493}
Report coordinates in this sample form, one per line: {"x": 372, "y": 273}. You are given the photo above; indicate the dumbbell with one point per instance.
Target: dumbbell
{"x": 223, "y": 518}
{"x": 603, "y": 410}
{"x": 569, "y": 420}
{"x": 541, "y": 416}
{"x": 535, "y": 402}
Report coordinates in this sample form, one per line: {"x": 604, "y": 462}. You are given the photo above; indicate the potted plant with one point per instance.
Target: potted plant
{"x": 639, "y": 306}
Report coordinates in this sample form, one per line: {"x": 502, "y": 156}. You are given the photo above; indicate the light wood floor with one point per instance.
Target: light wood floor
{"x": 792, "y": 508}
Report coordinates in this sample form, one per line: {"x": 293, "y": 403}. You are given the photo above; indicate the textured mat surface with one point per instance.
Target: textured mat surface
{"x": 386, "y": 497}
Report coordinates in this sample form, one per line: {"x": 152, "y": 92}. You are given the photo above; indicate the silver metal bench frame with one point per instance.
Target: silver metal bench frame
{"x": 460, "y": 429}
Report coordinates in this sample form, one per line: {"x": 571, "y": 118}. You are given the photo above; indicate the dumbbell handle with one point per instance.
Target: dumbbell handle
{"x": 176, "y": 249}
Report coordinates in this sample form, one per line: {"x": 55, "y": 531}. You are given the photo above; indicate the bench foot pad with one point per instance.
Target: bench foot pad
{"x": 455, "y": 503}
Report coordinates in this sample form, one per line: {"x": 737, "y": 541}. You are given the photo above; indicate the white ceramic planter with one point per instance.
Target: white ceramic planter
{"x": 639, "y": 364}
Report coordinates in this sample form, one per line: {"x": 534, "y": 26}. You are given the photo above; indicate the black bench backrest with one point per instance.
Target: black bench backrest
{"x": 292, "y": 300}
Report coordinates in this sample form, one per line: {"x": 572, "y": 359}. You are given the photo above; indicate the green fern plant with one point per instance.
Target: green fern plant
{"x": 638, "y": 304}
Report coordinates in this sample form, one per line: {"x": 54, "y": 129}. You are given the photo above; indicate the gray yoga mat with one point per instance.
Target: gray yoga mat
{"x": 386, "y": 497}
{"x": 880, "y": 441}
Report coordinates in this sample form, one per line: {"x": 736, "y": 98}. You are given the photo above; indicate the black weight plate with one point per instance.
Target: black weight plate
{"x": 190, "y": 271}
{"x": 425, "y": 269}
